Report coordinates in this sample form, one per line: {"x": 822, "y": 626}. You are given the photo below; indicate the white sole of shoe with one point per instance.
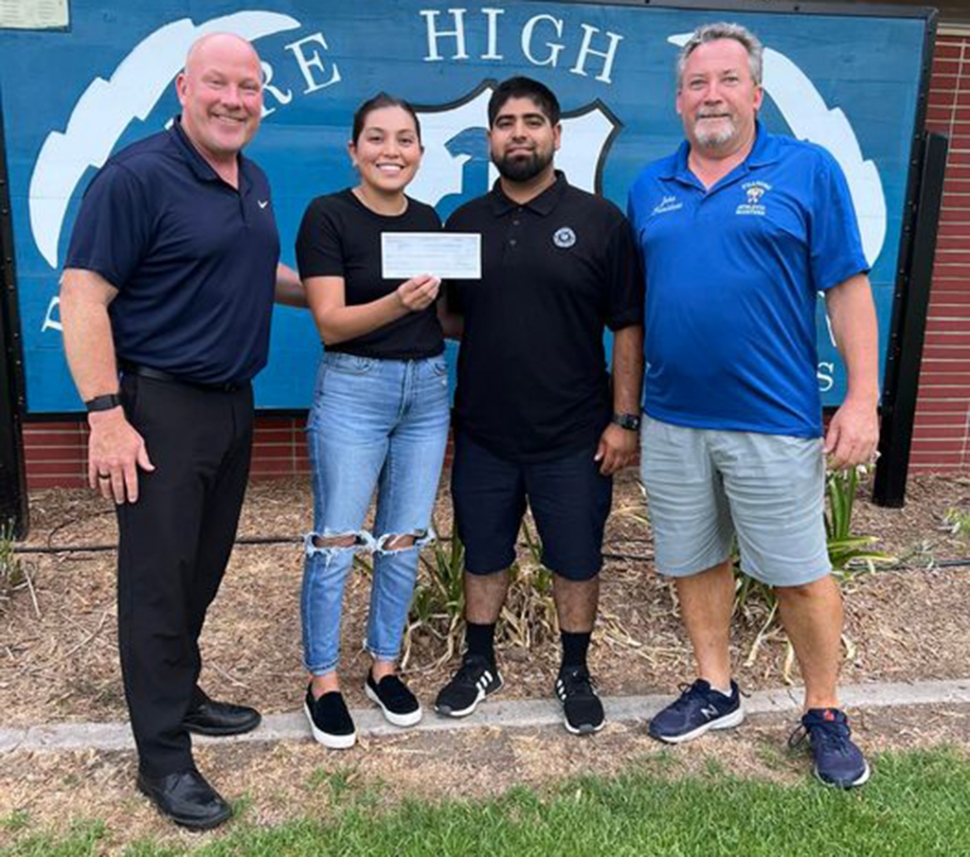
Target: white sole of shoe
{"x": 464, "y": 712}
{"x": 403, "y": 720}
{"x": 729, "y": 721}
{"x": 585, "y": 729}
{"x": 331, "y": 742}
{"x": 864, "y": 778}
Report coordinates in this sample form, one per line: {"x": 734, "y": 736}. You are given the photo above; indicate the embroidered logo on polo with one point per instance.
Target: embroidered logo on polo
{"x": 262, "y": 203}
{"x": 754, "y": 198}
{"x": 668, "y": 203}
{"x": 564, "y": 237}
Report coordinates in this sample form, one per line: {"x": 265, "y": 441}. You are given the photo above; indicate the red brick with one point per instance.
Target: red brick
{"x": 273, "y": 436}
{"x": 955, "y": 226}
{"x": 953, "y": 242}
{"x": 951, "y": 419}
{"x": 277, "y": 422}
{"x": 275, "y": 452}
{"x": 947, "y": 48}
{"x": 270, "y": 465}
{"x": 38, "y": 483}
{"x": 66, "y": 468}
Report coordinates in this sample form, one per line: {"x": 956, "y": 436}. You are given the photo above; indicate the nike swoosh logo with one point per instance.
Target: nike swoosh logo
{"x": 262, "y": 203}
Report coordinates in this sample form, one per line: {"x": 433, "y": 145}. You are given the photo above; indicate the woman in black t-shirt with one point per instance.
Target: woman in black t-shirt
{"x": 379, "y": 416}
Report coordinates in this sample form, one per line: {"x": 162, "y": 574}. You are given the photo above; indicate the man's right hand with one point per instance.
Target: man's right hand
{"x": 115, "y": 452}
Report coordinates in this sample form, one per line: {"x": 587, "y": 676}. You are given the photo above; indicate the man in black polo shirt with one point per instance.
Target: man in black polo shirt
{"x": 537, "y": 418}
{"x": 170, "y": 279}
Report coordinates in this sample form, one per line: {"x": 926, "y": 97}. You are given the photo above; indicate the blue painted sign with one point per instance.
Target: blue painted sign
{"x": 71, "y": 98}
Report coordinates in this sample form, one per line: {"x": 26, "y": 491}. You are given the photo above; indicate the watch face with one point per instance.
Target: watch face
{"x": 627, "y": 421}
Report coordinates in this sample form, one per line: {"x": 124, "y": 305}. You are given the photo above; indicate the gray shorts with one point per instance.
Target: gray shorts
{"x": 705, "y": 486}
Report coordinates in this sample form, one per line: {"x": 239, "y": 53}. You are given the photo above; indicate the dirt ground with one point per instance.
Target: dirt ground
{"x": 58, "y": 662}
{"x": 270, "y": 784}
{"x": 58, "y": 657}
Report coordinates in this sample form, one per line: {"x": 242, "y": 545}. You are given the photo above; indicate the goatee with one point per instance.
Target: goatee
{"x": 521, "y": 169}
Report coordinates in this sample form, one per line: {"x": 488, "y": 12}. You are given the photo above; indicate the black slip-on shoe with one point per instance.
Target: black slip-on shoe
{"x": 399, "y": 706}
{"x": 330, "y": 721}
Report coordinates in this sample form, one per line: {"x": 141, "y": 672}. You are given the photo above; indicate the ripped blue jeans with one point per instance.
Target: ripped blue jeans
{"x": 373, "y": 424}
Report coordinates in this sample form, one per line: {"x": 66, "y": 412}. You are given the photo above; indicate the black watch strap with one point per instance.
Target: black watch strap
{"x": 103, "y": 403}
{"x": 630, "y": 422}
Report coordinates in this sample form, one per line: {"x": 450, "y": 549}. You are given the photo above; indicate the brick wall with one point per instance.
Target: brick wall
{"x": 56, "y": 451}
{"x": 942, "y": 431}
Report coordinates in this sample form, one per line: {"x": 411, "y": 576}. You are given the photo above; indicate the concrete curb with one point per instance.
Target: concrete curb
{"x": 513, "y": 714}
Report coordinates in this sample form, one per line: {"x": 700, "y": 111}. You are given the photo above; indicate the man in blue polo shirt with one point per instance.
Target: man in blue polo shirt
{"x": 170, "y": 281}
{"x": 740, "y": 230}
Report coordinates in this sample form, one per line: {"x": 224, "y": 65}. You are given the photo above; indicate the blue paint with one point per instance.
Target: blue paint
{"x": 868, "y": 67}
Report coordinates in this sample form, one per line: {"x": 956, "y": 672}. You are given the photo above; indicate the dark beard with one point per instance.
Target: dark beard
{"x": 522, "y": 169}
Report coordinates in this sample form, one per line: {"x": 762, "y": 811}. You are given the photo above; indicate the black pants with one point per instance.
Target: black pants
{"x": 174, "y": 544}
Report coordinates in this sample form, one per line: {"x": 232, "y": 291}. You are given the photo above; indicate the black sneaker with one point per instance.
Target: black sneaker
{"x": 581, "y": 706}
{"x": 475, "y": 679}
{"x": 838, "y": 761}
{"x": 392, "y": 695}
{"x": 698, "y": 709}
{"x": 330, "y": 720}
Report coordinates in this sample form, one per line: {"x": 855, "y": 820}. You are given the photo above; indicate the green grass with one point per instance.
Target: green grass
{"x": 917, "y": 805}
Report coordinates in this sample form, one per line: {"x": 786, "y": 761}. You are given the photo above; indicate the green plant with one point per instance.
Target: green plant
{"x": 438, "y": 606}
{"x": 439, "y": 599}
{"x": 11, "y": 571}
{"x": 529, "y": 615}
{"x": 848, "y": 553}
{"x": 957, "y": 522}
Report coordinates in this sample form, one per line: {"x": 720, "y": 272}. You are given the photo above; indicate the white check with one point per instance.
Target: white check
{"x": 451, "y": 255}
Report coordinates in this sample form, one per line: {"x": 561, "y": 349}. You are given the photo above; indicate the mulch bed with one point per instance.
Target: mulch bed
{"x": 58, "y": 658}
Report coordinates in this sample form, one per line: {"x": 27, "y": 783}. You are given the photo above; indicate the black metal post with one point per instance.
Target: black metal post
{"x": 909, "y": 331}
{"x": 13, "y": 480}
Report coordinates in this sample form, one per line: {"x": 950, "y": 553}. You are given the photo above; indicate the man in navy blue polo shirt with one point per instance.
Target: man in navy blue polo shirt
{"x": 740, "y": 230}
{"x": 170, "y": 281}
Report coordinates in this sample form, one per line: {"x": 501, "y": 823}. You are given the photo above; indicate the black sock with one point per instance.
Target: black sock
{"x": 574, "y": 648}
{"x": 480, "y": 640}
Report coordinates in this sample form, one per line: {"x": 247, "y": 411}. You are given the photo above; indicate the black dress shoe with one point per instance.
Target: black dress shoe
{"x": 208, "y": 717}
{"x": 186, "y": 798}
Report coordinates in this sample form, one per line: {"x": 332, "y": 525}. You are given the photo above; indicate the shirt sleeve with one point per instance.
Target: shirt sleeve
{"x": 625, "y": 272}
{"x": 319, "y": 250}
{"x": 835, "y": 245}
{"x": 114, "y": 226}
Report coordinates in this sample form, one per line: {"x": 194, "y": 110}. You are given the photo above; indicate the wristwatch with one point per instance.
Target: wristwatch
{"x": 630, "y": 422}
{"x": 103, "y": 403}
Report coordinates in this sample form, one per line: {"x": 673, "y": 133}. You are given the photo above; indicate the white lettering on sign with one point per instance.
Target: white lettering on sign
{"x": 595, "y": 53}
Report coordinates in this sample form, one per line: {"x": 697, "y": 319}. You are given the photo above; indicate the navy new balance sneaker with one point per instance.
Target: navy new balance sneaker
{"x": 698, "y": 709}
{"x": 838, "y": 761}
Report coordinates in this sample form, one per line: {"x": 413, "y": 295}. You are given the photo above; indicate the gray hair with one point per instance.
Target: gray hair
{"x": 723, "y": 30}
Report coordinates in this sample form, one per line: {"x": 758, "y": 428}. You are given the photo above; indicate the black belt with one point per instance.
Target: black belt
{"x": 158, "y": 375}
